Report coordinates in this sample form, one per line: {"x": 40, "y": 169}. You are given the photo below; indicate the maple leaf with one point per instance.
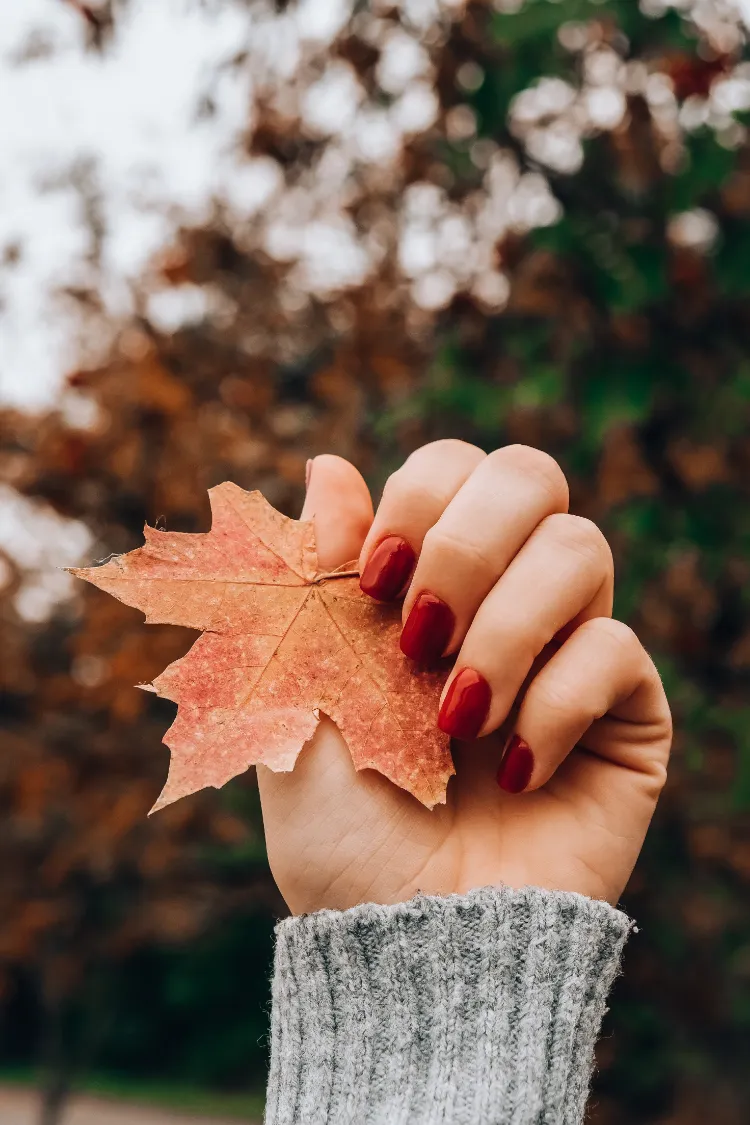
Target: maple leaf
{"x": 281, "y": 643}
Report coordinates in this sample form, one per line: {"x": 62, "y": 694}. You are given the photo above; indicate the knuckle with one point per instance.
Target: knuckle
{"x": 430, "y": 475}
{"x": 445, "y": 450}
{"x": 580, "y": 535}
{"x": 407, "y": 489}
{"x": 659, "y": 740}
{"x": 667, "y": 721}
{"x": 627, "y": 641}
{"x": 538, "y": 465}
{"x": 658, "y": 776}
{"x": 553, "y": 695}
{"x": 391, "y": 484}
{"x": 620, "y": 636}
{"x": 663, "y": 722}
{"x": 616, "y": 631}
{"x": 442, "y": 544}
{"x": 654, "y": 762}
{"x": 634, "y": 656}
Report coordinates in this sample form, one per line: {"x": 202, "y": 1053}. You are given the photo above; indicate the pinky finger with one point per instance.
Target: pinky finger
{"x": 600, "y": 690}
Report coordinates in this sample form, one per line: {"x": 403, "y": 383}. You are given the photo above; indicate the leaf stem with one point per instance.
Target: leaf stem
{"x": 336, "y": 574}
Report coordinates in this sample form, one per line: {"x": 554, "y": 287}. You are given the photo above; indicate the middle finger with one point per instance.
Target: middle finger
{"x": 472, "y": 544}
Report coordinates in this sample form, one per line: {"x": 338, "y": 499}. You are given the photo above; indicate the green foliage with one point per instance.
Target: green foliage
{"x": 194, "y": 1015}
{"x": 707, "y": 166}
{"x": 201, "y": 1009}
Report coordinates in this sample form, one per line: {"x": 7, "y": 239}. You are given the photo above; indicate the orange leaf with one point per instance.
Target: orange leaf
{"x": 281, "y": 643}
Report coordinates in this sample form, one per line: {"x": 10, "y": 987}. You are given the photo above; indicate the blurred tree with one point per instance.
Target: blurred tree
{"x": 521, "y": 222}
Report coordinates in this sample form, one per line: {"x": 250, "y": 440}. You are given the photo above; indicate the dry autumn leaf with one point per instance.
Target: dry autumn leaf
{"x": 281, "y": 643}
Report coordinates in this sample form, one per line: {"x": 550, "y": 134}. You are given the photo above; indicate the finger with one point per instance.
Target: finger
{"x": 414, "y": 498}
{"x": 600, "y": 690}
{"x": 338, "y": 500}
{"x": 564, "y": 572}
{"x": 473, "y": 542}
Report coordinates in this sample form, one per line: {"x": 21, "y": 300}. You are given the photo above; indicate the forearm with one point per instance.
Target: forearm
{"x": 480, "y": 1009}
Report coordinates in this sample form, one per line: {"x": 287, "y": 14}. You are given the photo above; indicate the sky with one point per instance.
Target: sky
{"x": 127, "y": 124}
{"x": 122, "y": 134}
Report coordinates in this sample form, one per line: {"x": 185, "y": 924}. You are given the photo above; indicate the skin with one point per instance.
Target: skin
{"x": 531, "y": 589}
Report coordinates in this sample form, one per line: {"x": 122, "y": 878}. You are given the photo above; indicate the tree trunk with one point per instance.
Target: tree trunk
{"x": 56, "y": 1081}
{"x": 54, "y": 1098}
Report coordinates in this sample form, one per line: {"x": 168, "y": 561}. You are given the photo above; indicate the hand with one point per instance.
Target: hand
{"x": 497, "y": 572}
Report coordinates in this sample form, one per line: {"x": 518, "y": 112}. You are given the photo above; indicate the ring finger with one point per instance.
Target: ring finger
{"x": 564, "y": 573}
{"x": 472, "y": 543}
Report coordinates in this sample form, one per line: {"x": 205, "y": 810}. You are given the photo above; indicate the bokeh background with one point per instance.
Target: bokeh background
{"x": 235, "y": 234}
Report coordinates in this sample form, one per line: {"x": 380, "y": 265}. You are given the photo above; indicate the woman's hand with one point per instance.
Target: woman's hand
{"x": 562, "y": 726}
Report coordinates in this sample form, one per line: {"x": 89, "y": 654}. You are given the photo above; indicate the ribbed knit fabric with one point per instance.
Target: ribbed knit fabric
{"x": 476, "y": 1009}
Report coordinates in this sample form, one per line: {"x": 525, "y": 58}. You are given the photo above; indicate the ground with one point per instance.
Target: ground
{"x": 20, "y": 1107}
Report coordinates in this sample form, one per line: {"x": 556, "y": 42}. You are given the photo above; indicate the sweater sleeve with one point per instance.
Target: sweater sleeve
{"x": 476, "y": 1009}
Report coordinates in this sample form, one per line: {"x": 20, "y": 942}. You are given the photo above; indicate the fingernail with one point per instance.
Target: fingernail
{"x": 464, "y": 710}
{"x": 308, "y": 472}
{"x": 428, "y": 629}
{"x": 516, "y": 767}
{"x": 388, "y": 568}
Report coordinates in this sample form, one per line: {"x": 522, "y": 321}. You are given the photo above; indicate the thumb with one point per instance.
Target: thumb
{"x": 338, "y": 502}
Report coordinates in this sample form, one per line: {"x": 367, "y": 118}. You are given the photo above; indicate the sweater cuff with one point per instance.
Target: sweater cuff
{"x": 476, "y": 1009}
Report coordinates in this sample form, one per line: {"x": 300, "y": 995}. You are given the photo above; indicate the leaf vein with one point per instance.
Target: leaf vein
{"x": 256, "y": 535}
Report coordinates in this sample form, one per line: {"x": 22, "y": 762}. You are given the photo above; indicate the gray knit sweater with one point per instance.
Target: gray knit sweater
{"x": 477, "y": 1009}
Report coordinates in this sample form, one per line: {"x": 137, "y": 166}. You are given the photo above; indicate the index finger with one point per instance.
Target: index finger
{"x": 413, "y": 500}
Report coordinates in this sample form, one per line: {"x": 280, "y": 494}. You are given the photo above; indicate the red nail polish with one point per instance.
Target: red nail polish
{"x": 388, "y": 568}
{"x": 428, "y": 629}
{"x": 516, "y": 767}
{"x": 467, "y": 702}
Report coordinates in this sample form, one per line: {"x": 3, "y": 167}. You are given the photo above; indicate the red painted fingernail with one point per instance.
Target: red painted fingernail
{"x": 308, "y": 472}
{"x": 516, "y": 767}
{"x": 388, "y": 568}
{"x": 428, "y": 629}
{"x": 467, "y": 702}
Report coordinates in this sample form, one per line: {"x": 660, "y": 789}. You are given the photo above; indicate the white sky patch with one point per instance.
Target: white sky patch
{"x": 697, "y": 229}
{"x": 132, "y": 118}
{"x": 441, "y": 248}
{"x": 331, "y": 103}
{"x": 170, "y": 309}
{"x": 322, "y": 20}
{"x": 127, "y": 134}
{"x": 402, "y": 59}
{"x": 41, "y": 542}
{"x": 416, "y": 109}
